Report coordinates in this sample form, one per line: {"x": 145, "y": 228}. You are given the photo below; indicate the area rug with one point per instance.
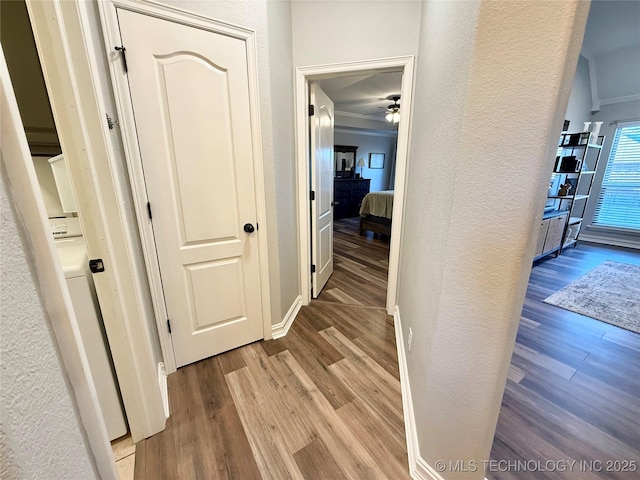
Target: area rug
{"x": 609, "y": 293}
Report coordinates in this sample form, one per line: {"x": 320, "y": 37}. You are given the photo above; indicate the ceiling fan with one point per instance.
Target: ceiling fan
{"x": 393, "y": 111}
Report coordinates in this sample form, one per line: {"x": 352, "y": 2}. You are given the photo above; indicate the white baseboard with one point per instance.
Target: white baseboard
{"x": 164, "y": 390}
{"x": 280, "y": 329}
{"x": 616, "y": 242}
{"x": 418, "y": 468}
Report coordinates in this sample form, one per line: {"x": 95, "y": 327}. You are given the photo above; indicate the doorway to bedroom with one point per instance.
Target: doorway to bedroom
{"x": 357, "y": 136}
{"x": 364, "y": 159}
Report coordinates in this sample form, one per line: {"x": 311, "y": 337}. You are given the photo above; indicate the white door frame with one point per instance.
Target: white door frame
{"x": 25, "y": 193}
{"x": 111, "y": 31}
{"x": 62, "y": 32}
{"x": 304, "y": 75}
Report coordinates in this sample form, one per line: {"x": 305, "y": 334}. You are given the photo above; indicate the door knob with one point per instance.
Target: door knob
{"x": 248, "y": 228}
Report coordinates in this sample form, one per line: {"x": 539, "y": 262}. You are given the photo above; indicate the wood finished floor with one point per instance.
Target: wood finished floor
{"x": 573, "y": 391}
{"x": 322, "y": 403}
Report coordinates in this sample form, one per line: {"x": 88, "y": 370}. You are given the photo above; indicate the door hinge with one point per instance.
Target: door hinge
{"x": 122, "y": 51}
{"x": 313, "y": 269}
{"x": 312, "y": 110}
{"x": 149, "y": 210}
{"x": 169, "y": 325}
{"x": 312, "y": 195}
{"x": 111, "y": 123}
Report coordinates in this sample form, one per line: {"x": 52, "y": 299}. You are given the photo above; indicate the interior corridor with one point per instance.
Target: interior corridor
{"x": 323, "y": 402}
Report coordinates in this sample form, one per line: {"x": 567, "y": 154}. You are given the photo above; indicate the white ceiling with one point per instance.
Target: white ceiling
{"x": 363, "y": 94}
{"x": 612, "y": 24}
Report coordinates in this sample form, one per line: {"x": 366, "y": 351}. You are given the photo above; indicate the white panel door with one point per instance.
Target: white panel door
{"x": 322, "y": 171}
{"x": 190, "y": 95}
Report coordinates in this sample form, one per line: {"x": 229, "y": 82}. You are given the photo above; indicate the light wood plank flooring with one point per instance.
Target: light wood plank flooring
{"x": 322, "y": 403}
{"x": 361, "y": 263}
{"x": 573, "y": 392}
{"x": 124, "y": 453}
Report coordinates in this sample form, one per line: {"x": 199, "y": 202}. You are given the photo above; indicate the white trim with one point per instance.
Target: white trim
{"x": 303, "y": 75}
{"x": 625, "y": 123}
{"x": 360, "y": 116}
{"x": 280, "y": 329}
{"x": 302, "y": 166}
{"x": 594, "y": 227}
{"x": 111, "y": 31}
{"x": 418, "y": 468}
{"x": 25, "y": 193}
{"x": 160, "y": 9}
{"x": 41, "y": 136}
{"x": 258, "y": 162}
{"x": 401, "y": 163}
{"x": 426, "y": 471}
{"x": 138, "y": 189}
{"x": 413, "y": 451}
{"x": 611, "y": 101}
{"x": 65, "y": 45}
{"x": 164, "y": 389}
{"x": 615, "y": 241}
{"x": 360, "y": 131}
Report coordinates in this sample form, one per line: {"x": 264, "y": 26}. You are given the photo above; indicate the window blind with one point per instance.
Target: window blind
{"x": 619, "y": 201}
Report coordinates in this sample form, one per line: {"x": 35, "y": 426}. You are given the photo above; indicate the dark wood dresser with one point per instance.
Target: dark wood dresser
{"x": 347, "y": 195}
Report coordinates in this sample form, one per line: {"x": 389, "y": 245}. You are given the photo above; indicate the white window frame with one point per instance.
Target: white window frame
{"x": 603, "y": 185}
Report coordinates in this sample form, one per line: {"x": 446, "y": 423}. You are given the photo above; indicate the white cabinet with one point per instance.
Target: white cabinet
{"x": 63, "y": 184}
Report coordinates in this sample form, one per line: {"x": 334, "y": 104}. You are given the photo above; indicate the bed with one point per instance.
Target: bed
{"x": 375, "y": 212}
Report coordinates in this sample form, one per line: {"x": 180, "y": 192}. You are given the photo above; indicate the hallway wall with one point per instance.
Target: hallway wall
{"x": 579, "y": 107}
{"x": 466, "y": 257}
{"x": 328, "y": 32}
{"x": 491, "y": 76}
{"x": 40, "y": 432}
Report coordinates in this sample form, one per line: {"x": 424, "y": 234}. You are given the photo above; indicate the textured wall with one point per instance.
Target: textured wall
{"x": 579, "y": 107}
{"x": 40, "y": 435}
{"x": 493, "y": 82}
{"x": 618, "y": 72}
{"x": 443, "y": 71}
{"x": 329, "y": 31}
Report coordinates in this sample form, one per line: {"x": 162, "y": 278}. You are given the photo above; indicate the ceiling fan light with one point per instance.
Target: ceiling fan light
{"x": 389, "y": 117}
{"x": 396, "y": 117}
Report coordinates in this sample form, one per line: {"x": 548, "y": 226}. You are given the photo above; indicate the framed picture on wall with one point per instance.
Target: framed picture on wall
{"x": 376, "y": 160}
